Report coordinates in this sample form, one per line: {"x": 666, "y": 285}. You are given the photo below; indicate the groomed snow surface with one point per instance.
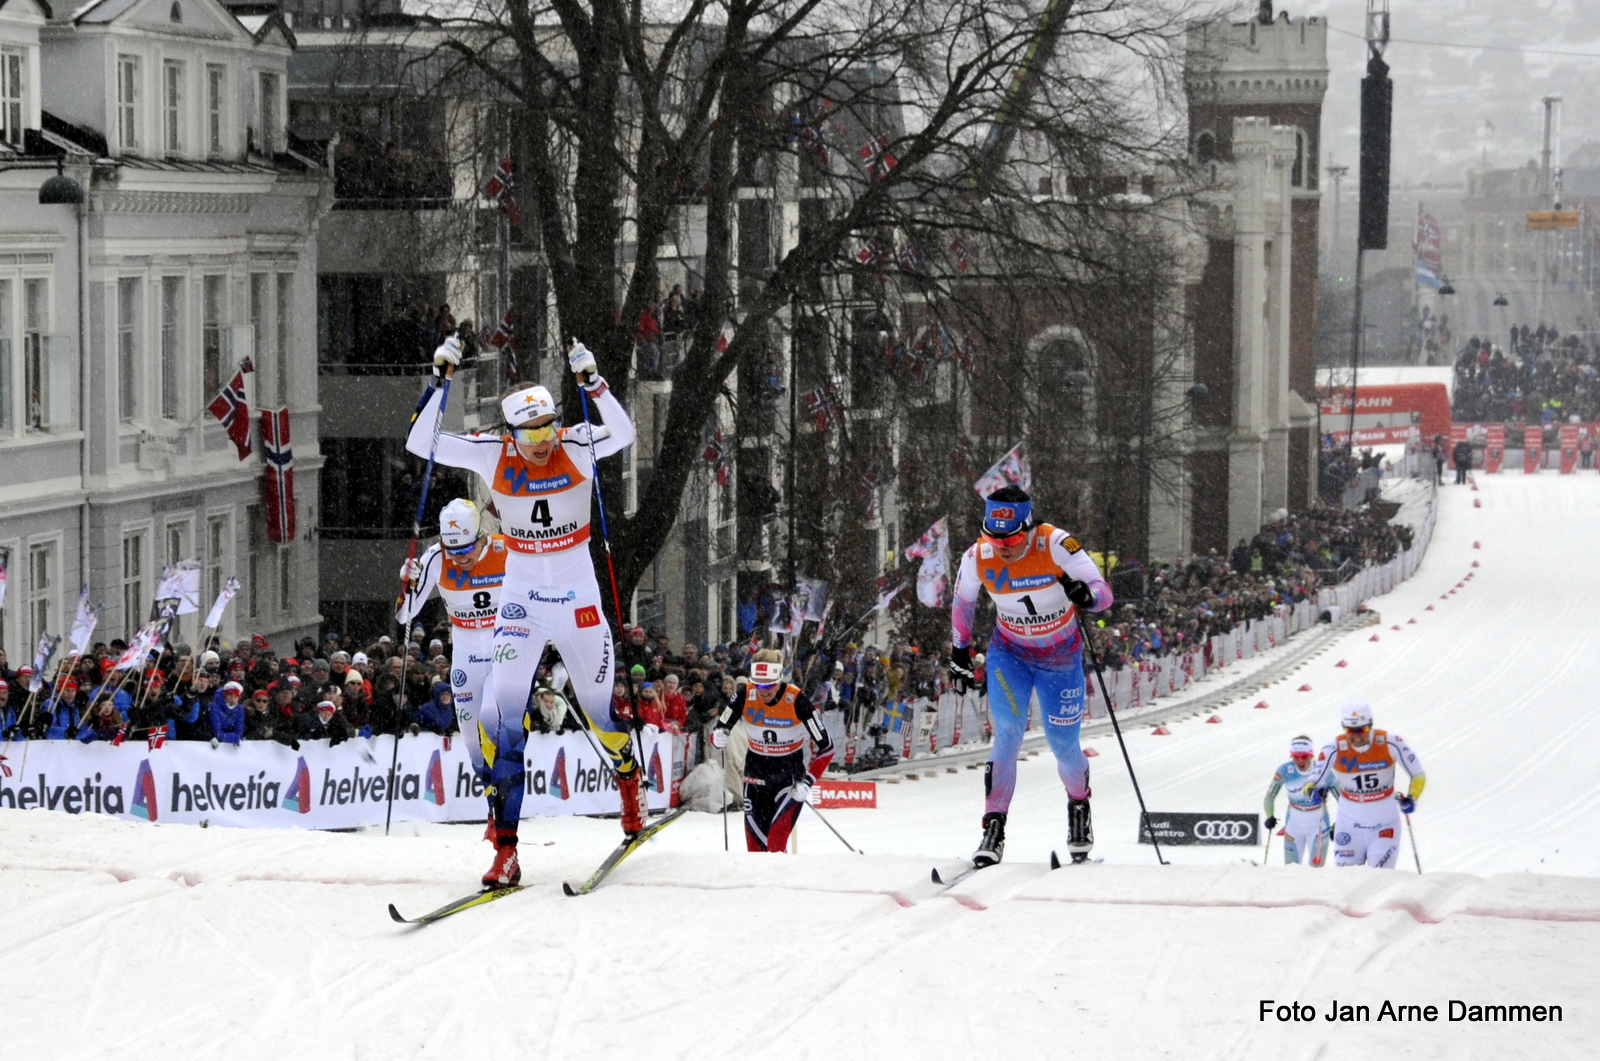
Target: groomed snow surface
{"x": 127, "y": 940}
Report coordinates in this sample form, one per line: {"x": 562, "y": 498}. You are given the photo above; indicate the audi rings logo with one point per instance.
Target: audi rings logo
{"x": 512, "y": 610}
{"x": 1210, "y": 829}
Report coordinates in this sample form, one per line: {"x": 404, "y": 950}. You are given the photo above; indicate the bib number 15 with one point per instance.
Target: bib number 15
{"x": 1366, "y": 782}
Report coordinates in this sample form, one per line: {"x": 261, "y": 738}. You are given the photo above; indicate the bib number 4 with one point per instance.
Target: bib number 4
{"x": 541, "y": 513}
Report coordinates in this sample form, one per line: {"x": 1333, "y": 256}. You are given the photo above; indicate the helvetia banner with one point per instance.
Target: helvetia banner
{"x": 267, "y": 785}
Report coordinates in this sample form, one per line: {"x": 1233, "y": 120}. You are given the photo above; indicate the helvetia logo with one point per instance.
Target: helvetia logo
{"x": 144, "y": 793}
{"x": 434, "y": 789}
{"x": 655, "y": 770}
{"x": 558, "y": 775}
{"x": 298, "y": 798}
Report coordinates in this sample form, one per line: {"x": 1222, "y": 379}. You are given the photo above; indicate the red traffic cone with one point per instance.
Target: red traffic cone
{"x": 1161, "y": 731}
{"x": 1474, "y": 563}
{"x": 1429, "y": 608}
{"x": 1477, "y": 545}
{"x": 1413, "y": 620}
{"x": 1396, "y": 626}
{"x": 1214, "y": 719}
{"x": 1474, "y": 487}
{"x": 1341, "y": 663}
{"x": 1305, "y": 688}
{"x": 1477, "y": 502}
{"x": 1374, "y": 637}
{"x": 1090, "y": 752}
{"x": 1261, "y": 706}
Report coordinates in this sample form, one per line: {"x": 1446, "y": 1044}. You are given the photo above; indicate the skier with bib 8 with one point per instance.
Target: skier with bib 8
{"x": 539, "y": 475}
{"x": 1039, "y": 579}
{"x": 466, "y": 567}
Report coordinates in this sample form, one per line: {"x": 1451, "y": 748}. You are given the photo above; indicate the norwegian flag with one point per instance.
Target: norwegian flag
{"x": 716, "y": 456}
{"x": 504, "y": 339}
{"x": 498, "y": 189}
{"x": 958, "y": 251}
{"x": 876, "y": 157}
{"x": 824, "y": 406}
{"x": 812, "y": 137}
{"x": 232, "y": 408}
{"x": 910, "y": 260}
{"x": 279, "y": 485}
{"x": 156, "y": 737}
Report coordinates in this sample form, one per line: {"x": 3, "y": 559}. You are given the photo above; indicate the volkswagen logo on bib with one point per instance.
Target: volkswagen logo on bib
{"x": 1178, "y": 828}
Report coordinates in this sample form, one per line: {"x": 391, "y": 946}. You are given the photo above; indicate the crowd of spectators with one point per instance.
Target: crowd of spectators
{"x": 663, "y": 325}
{"x": 1540, "y": 376}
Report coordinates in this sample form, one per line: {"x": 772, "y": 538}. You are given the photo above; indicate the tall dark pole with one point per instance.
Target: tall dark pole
{"x": 1355, "y": 355}
{"x": 794, "y": 429}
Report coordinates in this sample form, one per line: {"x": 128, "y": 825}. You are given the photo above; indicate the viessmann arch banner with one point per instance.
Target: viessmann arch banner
{"x": 266, "y": 785}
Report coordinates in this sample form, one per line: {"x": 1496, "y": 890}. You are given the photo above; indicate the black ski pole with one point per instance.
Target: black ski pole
{"x": 724, "y": 789}
{"x": 1100, "y": 680}
{"x": 1411, "y": 833}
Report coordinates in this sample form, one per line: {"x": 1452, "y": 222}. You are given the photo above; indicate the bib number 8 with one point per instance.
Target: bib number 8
{"x": 480, "y": 600}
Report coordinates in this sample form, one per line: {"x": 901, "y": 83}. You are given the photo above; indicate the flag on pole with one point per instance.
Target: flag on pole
{"x": 179, "y": 582}
{"x": 232, "y": 408}
{"x": 498, "y": 190}
{"x": 714, "y": 455}
{"x": 42, "y": 655}
{"x": 83, "y": 624}
{"x": 887, "y": 597}
{"x": 825, "y": 406}
{"x": 1012, "y": 469}
{"x": 156, "y": 737}
{"x": 725, "y": 337}
{"x": 146, "y": 641}
{"x": 876, "y": 157}
{"x": 279, "y": 476}
{"x": 214, "y": 617}
{"x": 810, "y": 599}
{"x": 933, "y": 548}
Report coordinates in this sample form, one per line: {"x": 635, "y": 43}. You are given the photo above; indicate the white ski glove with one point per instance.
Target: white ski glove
{"x": 719, "y": 737}
{"x": 447, "y": 353}
{"x": 581, "y": 360}
{"x": 800, "y": 791}
{"x": 411, "y": 570}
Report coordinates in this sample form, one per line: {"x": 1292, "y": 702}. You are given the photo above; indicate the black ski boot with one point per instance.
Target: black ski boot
{"x": 1080, "y": 833}
{"x": 994, "y": 840}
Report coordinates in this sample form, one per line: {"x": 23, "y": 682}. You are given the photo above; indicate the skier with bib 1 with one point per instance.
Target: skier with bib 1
{"x": 1361, "y": 765}
{"x": 1305, "y": 823}
{"x": 1039, "y": 578}
{"x": 539, "y": 475}
{"x": 466, "y": 567}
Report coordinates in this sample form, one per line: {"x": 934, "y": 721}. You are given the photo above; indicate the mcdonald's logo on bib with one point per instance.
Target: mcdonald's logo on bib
{"x": 587, "y": 616}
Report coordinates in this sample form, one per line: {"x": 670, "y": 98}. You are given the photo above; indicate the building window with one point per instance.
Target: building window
{"x": 176, "y": 14}
{"x": 171, "y": 343}
{"x": 127, "y": 347}
{"x": 260, "y": 288}
{"x": 128, "y": 102}
{"x": 285, "y": 579}
{"x": 285, "y": 332}
{"x": 255, "y": 567}
{"x": 172, "y": 106}
{"x": 178, "y": 551}
{"x": 133, "y": 575}
{"x": 7, "y": 398}
{"x": 1297, "y": 175}
{"x": 41, "y": 591}
{"x": 214, "y": 88}
{"x": 35, "y": 322}
{"x": 1205, "y": 147}
{"x": 12, "y": 113}
{"x": 270, "y": 118}
{"x": 216, "y": 557}
{"x": 214, "y": 313}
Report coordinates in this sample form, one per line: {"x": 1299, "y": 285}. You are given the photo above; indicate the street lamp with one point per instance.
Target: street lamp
{"x": 62, "y": 190}
{"x": 1447, "y": 288}
{"x": 1501, "y": 300}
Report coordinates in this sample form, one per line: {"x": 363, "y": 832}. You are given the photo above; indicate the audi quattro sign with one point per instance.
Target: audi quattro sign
{"x": 1181, "y": 827}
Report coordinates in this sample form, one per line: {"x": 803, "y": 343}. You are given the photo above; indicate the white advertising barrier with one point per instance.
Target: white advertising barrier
{"x": 266, "y": 785}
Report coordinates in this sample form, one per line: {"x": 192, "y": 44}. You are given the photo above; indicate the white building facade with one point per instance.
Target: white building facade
{"x": 121, "y": 318}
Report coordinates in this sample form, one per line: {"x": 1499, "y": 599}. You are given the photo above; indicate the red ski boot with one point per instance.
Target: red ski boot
{"x": 505, "y": 872}
{"x": 632, "y": 802}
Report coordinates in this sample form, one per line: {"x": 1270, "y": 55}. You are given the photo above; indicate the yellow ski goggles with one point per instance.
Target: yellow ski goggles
{"x": 532, "y": 436}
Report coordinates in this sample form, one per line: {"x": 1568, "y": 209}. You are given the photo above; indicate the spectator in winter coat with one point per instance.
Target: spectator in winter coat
{"x": 637, "y": 652}
{"x": 650, "y": 712}
{"x": 1461, "y": 456}
{"x": 384, "y": 713}
{"x": 227, "y": 715}
{"x": 357, "y": 705}
{"x": 258, "y": 717}
{"x": 674, "y": 708}
{"x": 438, "y": 713}
{"x": 191, "y": 707}
{"x": 325, "y": 723}
{"x": 104, "y": 722}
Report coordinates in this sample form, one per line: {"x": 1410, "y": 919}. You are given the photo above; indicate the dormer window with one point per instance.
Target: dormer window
{"x": 11, "y": 109}
{"x": 128, "y": 102}
{"x": 176, "y": 14}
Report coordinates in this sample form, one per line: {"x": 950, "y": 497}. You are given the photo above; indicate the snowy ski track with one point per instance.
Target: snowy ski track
{"x": 126, "y": 940}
